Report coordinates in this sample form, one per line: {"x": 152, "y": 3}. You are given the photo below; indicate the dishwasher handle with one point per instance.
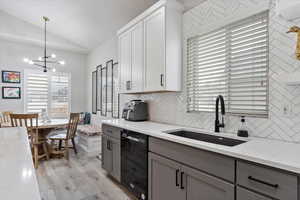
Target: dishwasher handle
{"x": 138, "y": 140}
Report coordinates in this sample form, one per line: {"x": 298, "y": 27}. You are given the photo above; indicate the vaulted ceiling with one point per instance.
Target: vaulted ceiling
{"x": 84, "y": 23}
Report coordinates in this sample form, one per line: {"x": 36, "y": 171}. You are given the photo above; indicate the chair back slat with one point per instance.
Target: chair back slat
{"x": 5, "y": 117}
{"x": 72, "y": 126}
{"x": 21, "y": 120}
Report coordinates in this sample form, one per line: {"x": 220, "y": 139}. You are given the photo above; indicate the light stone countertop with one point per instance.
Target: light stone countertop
{"x": 273, "y": 153}
{"x": 18, "y": 178}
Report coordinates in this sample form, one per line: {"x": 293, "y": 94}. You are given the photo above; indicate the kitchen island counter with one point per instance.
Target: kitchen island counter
{"x": 18, "y": 178}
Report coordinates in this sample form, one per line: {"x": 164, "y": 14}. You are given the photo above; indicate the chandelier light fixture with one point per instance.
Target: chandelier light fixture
{"x": 46, "y": 59}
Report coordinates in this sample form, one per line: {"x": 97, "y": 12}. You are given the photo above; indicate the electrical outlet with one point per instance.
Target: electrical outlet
{"x": 287, "y": 110}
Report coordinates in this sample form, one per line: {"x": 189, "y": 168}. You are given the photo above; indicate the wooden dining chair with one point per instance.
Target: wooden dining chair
{"x": 5, "y": 119}
{"x": 30, "y": 121}
{"x": 63, "y": 137}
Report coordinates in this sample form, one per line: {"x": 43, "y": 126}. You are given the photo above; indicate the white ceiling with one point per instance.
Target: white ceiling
{"x": 86, "y": 23}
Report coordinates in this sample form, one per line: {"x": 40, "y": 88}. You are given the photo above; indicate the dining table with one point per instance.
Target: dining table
{"x": 52, "y": 123}
{"x": 45, "y": 127}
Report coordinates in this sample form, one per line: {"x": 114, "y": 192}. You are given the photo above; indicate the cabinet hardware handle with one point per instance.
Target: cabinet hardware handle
{"x": 263, "y": 182}
{"x": 128, "y": 85}
{"x": 176, "y": 183}
{"x": 161, "y": 80}
{"x": 107, "y": 145}
{"x": 181, "y": 180}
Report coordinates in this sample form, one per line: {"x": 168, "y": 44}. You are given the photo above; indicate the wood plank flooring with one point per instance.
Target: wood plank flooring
{"x": 82, "y": 178}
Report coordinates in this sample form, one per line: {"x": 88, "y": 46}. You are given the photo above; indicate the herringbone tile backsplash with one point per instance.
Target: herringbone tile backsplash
{"x": 213, "y": 14}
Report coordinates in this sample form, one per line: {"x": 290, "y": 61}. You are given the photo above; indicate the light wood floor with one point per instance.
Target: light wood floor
{"x": 79, "y": 179}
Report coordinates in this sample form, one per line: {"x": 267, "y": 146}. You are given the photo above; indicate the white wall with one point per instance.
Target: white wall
{"x": 11, "y": 58}
{"x": 98, "y": 56}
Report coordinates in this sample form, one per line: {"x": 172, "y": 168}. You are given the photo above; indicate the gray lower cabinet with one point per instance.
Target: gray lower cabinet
{"x": 244, "y": 194}
{"x": 116, "y": 151}
{"x": 111, "y": 156}
{"x": 107, "y": 154}
{"x": 163, "y": 179}
{"x": 199, "y": 185}
{"x": 171, "y": 180}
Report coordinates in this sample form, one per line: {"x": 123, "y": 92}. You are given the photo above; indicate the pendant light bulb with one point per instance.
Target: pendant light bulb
{"x": 62, "y": 62}
{"x": 53, "y": 55}
{"x": 30, "y": 62}
{"x": 40, "y": 58}
{"x": 53, "y": 70}
{"x": 26, "y": 60}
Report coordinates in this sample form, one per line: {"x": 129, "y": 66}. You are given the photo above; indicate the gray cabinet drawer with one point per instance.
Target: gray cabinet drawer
{"x": 244, "y": 194}
{"x": 111, "y": 131}
{"x": 268, "y": 181}
{"x": 208, "y": 162}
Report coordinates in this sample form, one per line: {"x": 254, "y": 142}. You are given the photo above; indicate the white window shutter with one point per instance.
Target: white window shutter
{"x": 233, "y": 62}
{"x": 60, "y": 95}
{"x": 36, "y": 92}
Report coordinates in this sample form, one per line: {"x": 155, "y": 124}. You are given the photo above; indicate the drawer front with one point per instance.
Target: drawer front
{"x": 111, "y": 131}
{"x": 208, "y": 162}
{"x": 243, "y": 194}
{"x": 268, "y": 181}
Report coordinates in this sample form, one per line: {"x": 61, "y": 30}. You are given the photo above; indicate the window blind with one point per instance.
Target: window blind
{"x": 36, "y": 92}
{"x": 233, "y": 62}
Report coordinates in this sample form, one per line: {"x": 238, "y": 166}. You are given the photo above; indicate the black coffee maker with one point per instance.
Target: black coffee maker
{"x": 135, "y": 110}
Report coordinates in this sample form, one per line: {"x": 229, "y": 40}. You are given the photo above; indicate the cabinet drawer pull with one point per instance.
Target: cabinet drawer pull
{"x": 161, "y": 80}
{"x": 107, "y": 145}
{"x": 176, "y": 183}
{"x": 181, "y": 180}
{"x": 263, "y": 182}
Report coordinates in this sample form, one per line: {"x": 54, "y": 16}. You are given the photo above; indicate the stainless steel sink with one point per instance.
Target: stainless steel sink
{"x": 215, "y": 139}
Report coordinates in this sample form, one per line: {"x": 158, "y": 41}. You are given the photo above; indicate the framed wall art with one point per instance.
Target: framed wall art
{"x": 115, "y": 91}
{"x": 103, "y": 91}
{"x": 11, "y": 93}
{"x": 98, "y": 88}
{"x": 11, "y": 77}
{"x": 94, "y": 92}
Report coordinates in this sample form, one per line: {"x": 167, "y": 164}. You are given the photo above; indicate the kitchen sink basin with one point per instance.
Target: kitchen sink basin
{"x": 215, "y": 139}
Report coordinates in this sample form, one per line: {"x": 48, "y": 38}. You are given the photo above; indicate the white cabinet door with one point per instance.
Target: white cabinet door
{"x": 125, "y": 61}
{"x": 137, "y": 66}
{"x": 154, "y": 27}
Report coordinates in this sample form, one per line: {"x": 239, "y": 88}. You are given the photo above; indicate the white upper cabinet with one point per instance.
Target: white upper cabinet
{"x": 150, "y": 50}
{"x": 137, "y": 65}
{"x": 131, "y": 62}
{"x": 154, "y": 26}
{"x": 125, "y": 61}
